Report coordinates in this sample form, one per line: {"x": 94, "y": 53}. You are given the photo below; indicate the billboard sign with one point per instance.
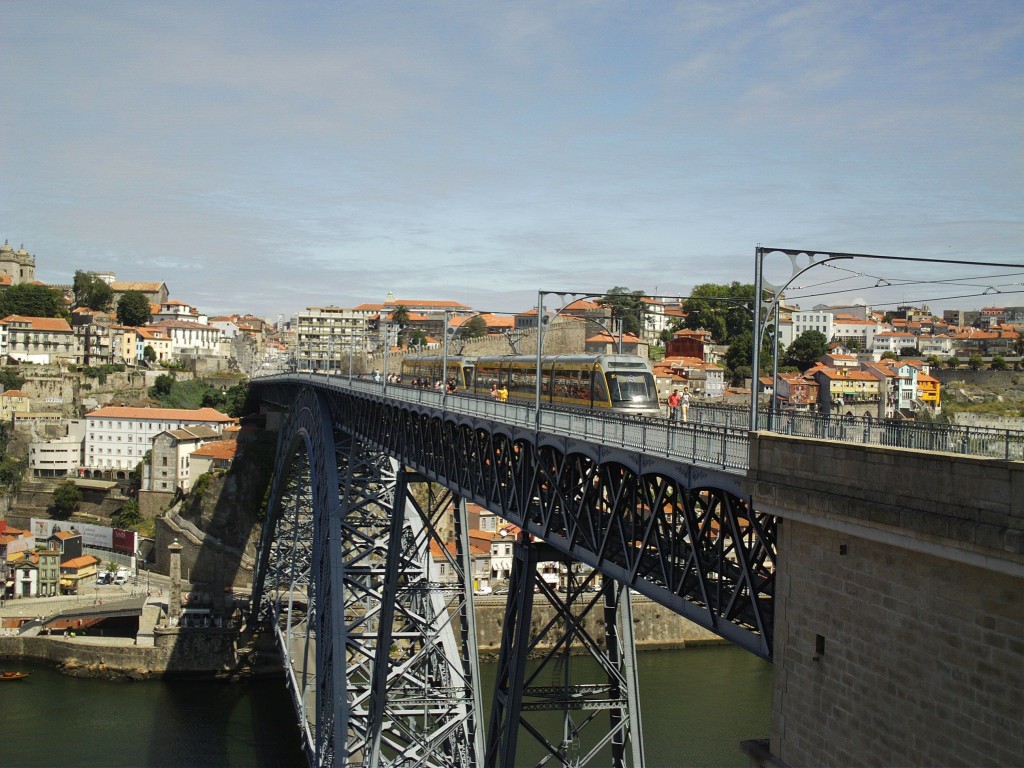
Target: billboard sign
{"x": 100, "y": 536}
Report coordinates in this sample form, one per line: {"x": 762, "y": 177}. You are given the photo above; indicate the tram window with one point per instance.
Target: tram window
{"x": 600, "y": 390}
{"x": 571, "y": 385}
{"x": 523, "y": 382}
{"x": 485, "y": 376}
{"x": 628, "y": 387}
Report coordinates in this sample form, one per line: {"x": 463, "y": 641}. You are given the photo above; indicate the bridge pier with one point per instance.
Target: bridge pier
{"x": 532, "y": 655}
{"x": 346, "y": 577}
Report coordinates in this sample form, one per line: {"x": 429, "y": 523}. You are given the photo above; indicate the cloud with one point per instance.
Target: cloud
{"x": 268, "y": 157}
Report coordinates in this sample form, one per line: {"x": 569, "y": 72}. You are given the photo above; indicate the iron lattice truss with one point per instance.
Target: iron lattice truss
{"x": 378, "y": 672}
{"x": 682, "y": 535}
{"x": 589, "y": 679}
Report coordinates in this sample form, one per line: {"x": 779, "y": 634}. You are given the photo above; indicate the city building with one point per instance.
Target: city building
{"x": 157, "y": 339}
{"x": 60, "y": 457}
{"x": 178, "y": 310}
{"x": 41, "y": 340}
{"x": 156, "y": 293}
{"x": 13, "y": 401}
{"x": 170, "y": 461}
{"x": 329, "y": 338}
{"x": 12, "y": 541}
{"x": 93, "y": 337}
{"x": 117, "y": 437}
{"x": 76, "y": 573}
{"x": 189, "y": 336}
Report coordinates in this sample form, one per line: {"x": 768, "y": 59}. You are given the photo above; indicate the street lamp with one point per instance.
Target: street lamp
{"x": 813, "y": 258}
{"x": 543, "y": 321}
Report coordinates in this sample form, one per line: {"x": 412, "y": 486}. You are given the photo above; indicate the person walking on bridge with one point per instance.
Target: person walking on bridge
{"x": 674, "y": 403}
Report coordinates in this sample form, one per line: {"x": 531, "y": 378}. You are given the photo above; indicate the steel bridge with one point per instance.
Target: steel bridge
{"x": 383, "y": 659}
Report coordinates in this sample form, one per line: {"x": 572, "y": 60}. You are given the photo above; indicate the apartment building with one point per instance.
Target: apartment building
{"x": 117, "y": 437}
{"x": 41, "y": 340}
{"x": 94, "y": 341}
{"x": 328, "y": 337}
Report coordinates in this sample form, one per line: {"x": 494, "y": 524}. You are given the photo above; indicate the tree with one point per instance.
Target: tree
{"x": 890, "y": 355}
{"x": 33, "y": 301}
{"x": 9, "y": 378}
{"x": 474, "y": 328}
{"x": 934, "y": 361}
{"x": 12, "y": 470}
{"x": 723, "y": 310}
{"x": 974, "y": 362}
{"x": 129, "y": 516}
{"x": 92, "y": 291}
{"x": 66, "y": 498}
{"x": 399, "y": 317}
{"x": 162, "y": 386}
{"x": 738, "y": 355}
{"x": 953, "y": 363}
{"x": 626, "y": 306}
{"x": 999, "y": 363}
{"x": 806, "y": 349}
{"x": 235, "y": 400}
{"x": 909, "y": 352}
{"x": 417, "y": 338}
{"x": 133, "y": 309}
{"x": 149, "y": 354}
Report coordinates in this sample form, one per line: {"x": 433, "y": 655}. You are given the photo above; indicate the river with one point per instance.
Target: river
{"x": 697, "y": 706}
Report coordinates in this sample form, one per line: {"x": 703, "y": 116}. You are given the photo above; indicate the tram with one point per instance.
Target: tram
{"x": 427, "y": 369}
{"x": 620, "y": 383}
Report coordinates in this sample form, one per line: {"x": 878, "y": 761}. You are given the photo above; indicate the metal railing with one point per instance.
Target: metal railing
{"x": 714, "y": 436}
{"x": 703, "y": 444}
{"x": 894, "y": 433}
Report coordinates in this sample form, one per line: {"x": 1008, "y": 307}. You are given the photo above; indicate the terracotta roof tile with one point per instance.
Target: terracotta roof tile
{"x": 160, "y": 414}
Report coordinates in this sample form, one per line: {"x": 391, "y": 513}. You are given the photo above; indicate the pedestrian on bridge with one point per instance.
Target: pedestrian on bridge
{"x": 675, "y": 402}
{"x": 686, "y": 404}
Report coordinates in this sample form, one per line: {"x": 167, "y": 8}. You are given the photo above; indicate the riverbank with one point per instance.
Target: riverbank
{"x": 226, "y": 653}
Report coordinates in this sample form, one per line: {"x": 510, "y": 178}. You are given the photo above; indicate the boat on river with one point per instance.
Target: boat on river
{"x": 13, "y": 675}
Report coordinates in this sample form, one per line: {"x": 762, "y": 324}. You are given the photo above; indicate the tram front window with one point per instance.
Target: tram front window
{"x": 631, "y": 387}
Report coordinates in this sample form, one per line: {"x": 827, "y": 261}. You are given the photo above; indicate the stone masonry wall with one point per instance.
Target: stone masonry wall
{"x": 178, "y": 652}
{"x": 899, "y": 619}
{"x": 922, "y": 660}
{"x": 654, "y": 627}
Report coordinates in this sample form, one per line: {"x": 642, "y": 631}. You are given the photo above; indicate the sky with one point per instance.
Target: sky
{"x": 270, "y": 156}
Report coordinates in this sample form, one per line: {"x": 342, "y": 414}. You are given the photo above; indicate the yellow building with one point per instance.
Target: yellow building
{"x": 928, "y": 390}
{"x": 11, "y": 402}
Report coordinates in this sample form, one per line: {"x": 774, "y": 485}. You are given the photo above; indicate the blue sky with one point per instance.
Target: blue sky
{"x": 266, "y": 157}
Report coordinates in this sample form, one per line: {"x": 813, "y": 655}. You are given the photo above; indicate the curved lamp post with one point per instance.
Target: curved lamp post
{"x": 450, "y": 334}
{"x": 543, "y": 321}
{"x": 813, "y": 259}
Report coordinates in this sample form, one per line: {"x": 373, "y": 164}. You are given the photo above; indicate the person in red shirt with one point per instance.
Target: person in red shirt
{"x": 674, "y": 403}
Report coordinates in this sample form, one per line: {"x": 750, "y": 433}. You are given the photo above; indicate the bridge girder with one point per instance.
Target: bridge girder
{"x": 681, "y": 534}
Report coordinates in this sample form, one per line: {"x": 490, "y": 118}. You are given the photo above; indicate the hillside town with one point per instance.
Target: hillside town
{"x": 79, "y": 415}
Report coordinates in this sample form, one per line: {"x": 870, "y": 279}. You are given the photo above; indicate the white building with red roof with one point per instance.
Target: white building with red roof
{"x": 40, "y": 340}
{"x": 117, "y": 438}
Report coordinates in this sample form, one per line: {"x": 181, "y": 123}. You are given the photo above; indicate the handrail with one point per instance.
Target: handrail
{"x": 714, "y": 436}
